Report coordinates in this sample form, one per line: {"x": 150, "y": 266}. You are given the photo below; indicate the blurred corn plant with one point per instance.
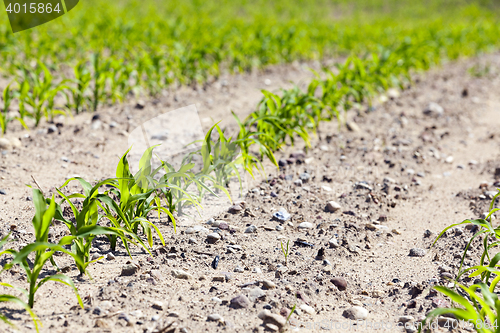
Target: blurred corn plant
{"x": 5, "y": 119}
{"x": 38, "y": 90}
{"x": 182, "y": 187}
{"x": 80, "y": 87}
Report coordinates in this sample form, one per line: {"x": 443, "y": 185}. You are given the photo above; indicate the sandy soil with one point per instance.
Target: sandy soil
{"x": 401, "y": 173}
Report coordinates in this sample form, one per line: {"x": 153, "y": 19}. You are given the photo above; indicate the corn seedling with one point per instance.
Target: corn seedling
{"x": 7, "y": 97}
{"x": 6, "y": 298}
{"x": 85, "y": 226}
{"x": 42, "y": 250}
{"x": 285, "y": 252}
{"x": 137, "y": 196}
{"x": 479, "y": 311}
{"x": 487, "y": 231}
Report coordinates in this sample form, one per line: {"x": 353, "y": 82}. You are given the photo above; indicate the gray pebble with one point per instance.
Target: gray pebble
{"x": 305, "y": 225}
{"x": 417, "y": 252}
{"x": 356, "y": 313}
{"x": 250, "y": 229}
{"x": 215, "y": 317}
{"x": 239, "y": 302}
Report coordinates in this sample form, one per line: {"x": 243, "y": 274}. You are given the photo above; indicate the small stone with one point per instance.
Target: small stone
{"x": 417, "y": 252}
{"x": 96, "y": 125}
{"x": 239, "y": 302}
{"x": 305, "y": 225}
{"x": 216, "y": 300}
{"x": 5, "y": 144}
{"x": 129, "y": 269}
{"x": 155, "y": 318}
{"x": 377, "y": 293}
{"x": 428, "y": 233}
{"x": 3, "y": 192}
{"x": 101, "y": 323}
{"x": 234, "y": 209}
{"x": 189, "y": 231}
{"x": 304, "y": 177}
{"x": 405, "y": 319}
{"x": 271, "y": 318}
{"x": 279, "y": 228}
{"x": 434, "y": 110}
{"x": 98, "y": 311}
{"x": 213, "y": 237}
{"x": 352, "y": 126}
{"x": 251, "y": 229}
{"x": 158, "y": 305}
{"x": 298, "y": 182}
{"x": 192, "y": 241}
{"x": 272, "y": 327}
{"x": 268, "y": 284}
{"x": 105, "y": 305}
{"x": 356, "y": 313}
{"x": 52, "y": 129}
{"x": 282, "y": 215}
{"x": 239, "y": 269}
{"x": 308, "y": 309}
{"x": 219, "y": 278}
{"x": 110, "y": 256}
{"x": 256, "y": 293}
{"x": 140, "y": 104}
{"x": 215, "y": 317}
{"x": 333, "y": 242}
{"x": 180, "y": 274}
{"x": 332, "y": 206}
{"x": 136, "y": 313}
{"x": 449, "y": 159}
{"x": 340, "y": 283}
{"x": 257, "y": 270}
{"x": 95, "y": 256}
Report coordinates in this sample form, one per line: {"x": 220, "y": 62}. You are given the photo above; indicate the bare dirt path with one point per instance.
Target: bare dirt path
{"x": 403, "y": 172}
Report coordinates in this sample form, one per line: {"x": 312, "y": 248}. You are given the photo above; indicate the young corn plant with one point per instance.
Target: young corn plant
{"x": 99, "y": 79}
{"x": 183, "y": 187}
{"x": 247, "y": 139}
{"x": 221, "y": 157}
{"x": 137, "y": 196}
{"x": 81, "y": 85}
{"x": 6, "y": 298}
{"x": 85, "y": 224}
{"x": 487, "y": 230}
{"x": 285, "y": 252}
{"x": 42, "y": 250}
{"x": 7, "y": 97}
{"x": 480, "y": 311}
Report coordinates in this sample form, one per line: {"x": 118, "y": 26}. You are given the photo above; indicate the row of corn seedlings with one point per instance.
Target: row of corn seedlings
{"x": 120, "y": 208}
{"x": 109, "y": 70}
